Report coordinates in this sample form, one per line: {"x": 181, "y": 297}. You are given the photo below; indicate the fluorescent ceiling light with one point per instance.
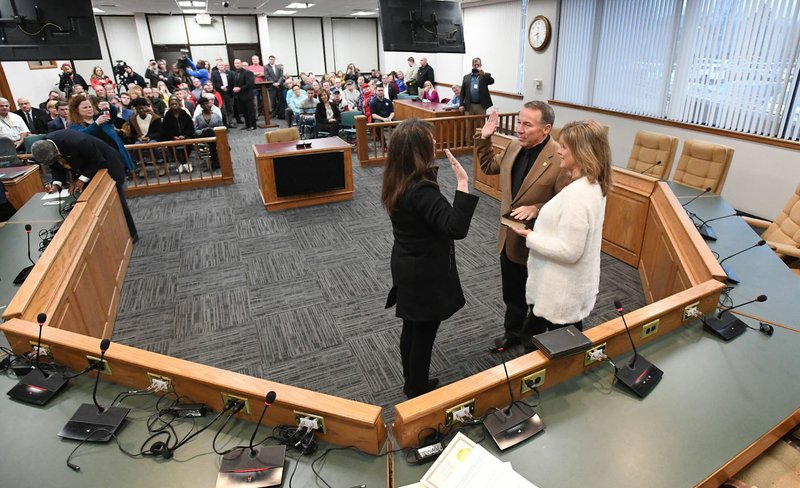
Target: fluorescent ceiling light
{"x": 364, "y": 13}
{"x": 185, "y": 4}
{"x": 195, "y": 3}
{"x": 193, "y": 11}
{"x": 97, "y": 10}
{"x": 300, "y": 5}
{"x": 284, "y": 12}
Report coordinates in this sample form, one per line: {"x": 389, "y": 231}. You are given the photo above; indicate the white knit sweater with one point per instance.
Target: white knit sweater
{"x": 564, "y": 258}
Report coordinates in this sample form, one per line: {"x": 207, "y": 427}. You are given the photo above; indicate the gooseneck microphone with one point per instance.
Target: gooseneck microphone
{"x": 725, "y": 324}
{"x": 269, "y": 400}
{"x": 706, "y": 231}
{"x": 22, "y": 275}
{"x": 657, "y": 163}
{"x": 40, "y": 319}
{"x": 759, "y": 298}
{"x": 38, "y": 387}
{"x": 640, "y": 375}
{"x": 92, "y": 422}
{"x": 512, "y": 425}
{"x": 103, "y": 348}
{"x": 696, "y": 197}
{"x": 732, "y": 278}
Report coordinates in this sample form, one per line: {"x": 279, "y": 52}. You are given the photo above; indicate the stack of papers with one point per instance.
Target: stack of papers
{"x": 464, "y": 464}
{"x": 54, "y": 196}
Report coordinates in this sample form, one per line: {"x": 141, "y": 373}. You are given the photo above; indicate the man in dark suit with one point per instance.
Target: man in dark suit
{"x": 530, "y": 175}
{"x": 243, "y": 88}
{"x": 274, "y": 76}
{"x": 83, "y": 155}
{"x": 62, "y": 122}
{"x": 224, "y": 80}
{"x": 32, "y": 116}
{"x": 424, "y": 73}
{"x": 475, "y": 96}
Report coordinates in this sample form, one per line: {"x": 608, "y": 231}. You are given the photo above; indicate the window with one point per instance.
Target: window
{"x": 729, "y": 64}
{"x": 42, "y": 64}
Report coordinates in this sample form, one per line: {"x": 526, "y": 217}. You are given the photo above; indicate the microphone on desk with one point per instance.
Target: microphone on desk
{"x": 269, "y": 400}
{"x": 93, "y": 422}
{"x": 640, "y": 375}
{"x": 38, "y": 387}
{"x": 252, "y": 466}
{"x": 692, "y": 214}
{"x": 725, "y": 324}
{"x": 103, "y": 348}
{"x": 511, "y": 425}
{"x": 22, "y": 275}
{"x": 706, "y": 231}
{"x": 657, "y": 163}
{"x": 728, "y": 271}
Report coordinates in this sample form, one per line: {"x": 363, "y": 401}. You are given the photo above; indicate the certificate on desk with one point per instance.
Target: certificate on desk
{"x": 465, "y": 464}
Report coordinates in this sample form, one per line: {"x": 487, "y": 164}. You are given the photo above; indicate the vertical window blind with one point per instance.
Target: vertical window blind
{"x": 729, "y": 64}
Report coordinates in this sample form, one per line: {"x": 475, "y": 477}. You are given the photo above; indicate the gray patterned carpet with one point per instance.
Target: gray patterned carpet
{"x": 298, "y": 296}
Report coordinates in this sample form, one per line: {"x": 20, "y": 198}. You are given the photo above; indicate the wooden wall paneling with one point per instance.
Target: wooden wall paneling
{"x": 348, "y": 422}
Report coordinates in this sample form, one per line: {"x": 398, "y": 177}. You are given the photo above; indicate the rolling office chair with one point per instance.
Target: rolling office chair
{"x": 703, "y": 165}
{"x": 783, "y": 234}
{"x": 649, "y": 148}
{"x": 282, "y": 135}
{"x": 8, "y": 153}
{"x": 347, "y": 130}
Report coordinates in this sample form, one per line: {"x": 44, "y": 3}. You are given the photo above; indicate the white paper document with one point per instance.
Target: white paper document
{"x": 464, "y": 464}
{"x": 54, "y": 196}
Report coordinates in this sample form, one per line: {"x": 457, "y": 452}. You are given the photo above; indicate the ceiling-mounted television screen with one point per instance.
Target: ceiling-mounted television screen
{"x": 33, "y": 30}
{"x": 423, "y": 26}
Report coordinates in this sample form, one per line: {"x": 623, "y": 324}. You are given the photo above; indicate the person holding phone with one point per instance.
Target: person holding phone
{"x": 475, "y": 96}
{"x": 85, "y": 117}
{"x": 425, "y": 284}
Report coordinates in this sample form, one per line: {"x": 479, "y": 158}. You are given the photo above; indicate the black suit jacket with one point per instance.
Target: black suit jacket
{"x": 246, "y": 80}
{"x": 485, "y": 98}
{"x": 273, "y": 75}
{"x": 425, "y": 280}
{"x": 86, "y": 155}
{"x": 424, "y": 74}
{"x": 39, "y": 127}
{"x": 321, "y": 115}
{"x": 216, "y": 80}
{"x": 55, "y": 125}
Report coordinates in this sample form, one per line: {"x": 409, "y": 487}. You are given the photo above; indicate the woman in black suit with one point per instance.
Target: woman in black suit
{"x": 426, "y": 288}
{"x": 327, "y": 116}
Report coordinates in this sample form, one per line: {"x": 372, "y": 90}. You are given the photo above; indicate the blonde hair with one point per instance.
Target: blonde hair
{"x": 588, "y": 142}
{"x": 427, "y": 84}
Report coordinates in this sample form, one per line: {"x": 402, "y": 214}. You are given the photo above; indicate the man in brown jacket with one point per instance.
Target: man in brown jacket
{"x": 530, "y": 175}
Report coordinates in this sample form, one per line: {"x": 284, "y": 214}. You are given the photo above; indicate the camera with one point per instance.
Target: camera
{"x": 119, "y": 68}
{"x": 226, "y": 4}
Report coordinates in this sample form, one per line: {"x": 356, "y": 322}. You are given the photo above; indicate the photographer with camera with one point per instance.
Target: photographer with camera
{"x": 199, "y": 70}
{"x": 67, "y": 80}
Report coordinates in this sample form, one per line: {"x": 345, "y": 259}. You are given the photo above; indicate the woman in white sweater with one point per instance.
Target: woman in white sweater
{"x": 564, "y": 259}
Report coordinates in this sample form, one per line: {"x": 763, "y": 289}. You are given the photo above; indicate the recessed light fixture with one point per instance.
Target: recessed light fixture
{"x": 98, "y": 11}
{"x": 300, "y": 5}
{"x": 364, "y": 13}
{"x": 284, "y": 12}
{"x": 185, "y": 4}
{"x": 196, "y": 3}
{"x": 194, "y": 11}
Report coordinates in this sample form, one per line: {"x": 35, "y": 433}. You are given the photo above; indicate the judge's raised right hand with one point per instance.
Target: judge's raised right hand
{"x": 490, "y": 126}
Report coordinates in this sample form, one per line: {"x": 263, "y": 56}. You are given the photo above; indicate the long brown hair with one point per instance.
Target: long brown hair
{"x": 588, "y": 141}
{"x": 74, "y": 115}
{"x": 409, "y": 160}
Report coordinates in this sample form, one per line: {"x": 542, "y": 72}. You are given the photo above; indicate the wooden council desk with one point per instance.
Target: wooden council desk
{"x": 289, "y": 177}
{"x": 409, "y": 109}
{"x": 21, "y": 188}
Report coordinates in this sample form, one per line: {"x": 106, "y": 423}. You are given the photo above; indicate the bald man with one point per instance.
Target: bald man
{"x": 11, "y": 125}
{"x": 33, "y": 117}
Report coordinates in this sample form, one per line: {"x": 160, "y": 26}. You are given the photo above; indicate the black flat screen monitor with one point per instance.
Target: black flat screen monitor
{"x": 33, "y": 30}
{"x": 422, "y": 26}
{"x": 305, "y": 174}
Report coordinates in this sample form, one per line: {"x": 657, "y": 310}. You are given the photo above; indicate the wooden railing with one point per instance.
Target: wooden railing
{"x": 453, "y": 133}
{"x": 169, "y": 166}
